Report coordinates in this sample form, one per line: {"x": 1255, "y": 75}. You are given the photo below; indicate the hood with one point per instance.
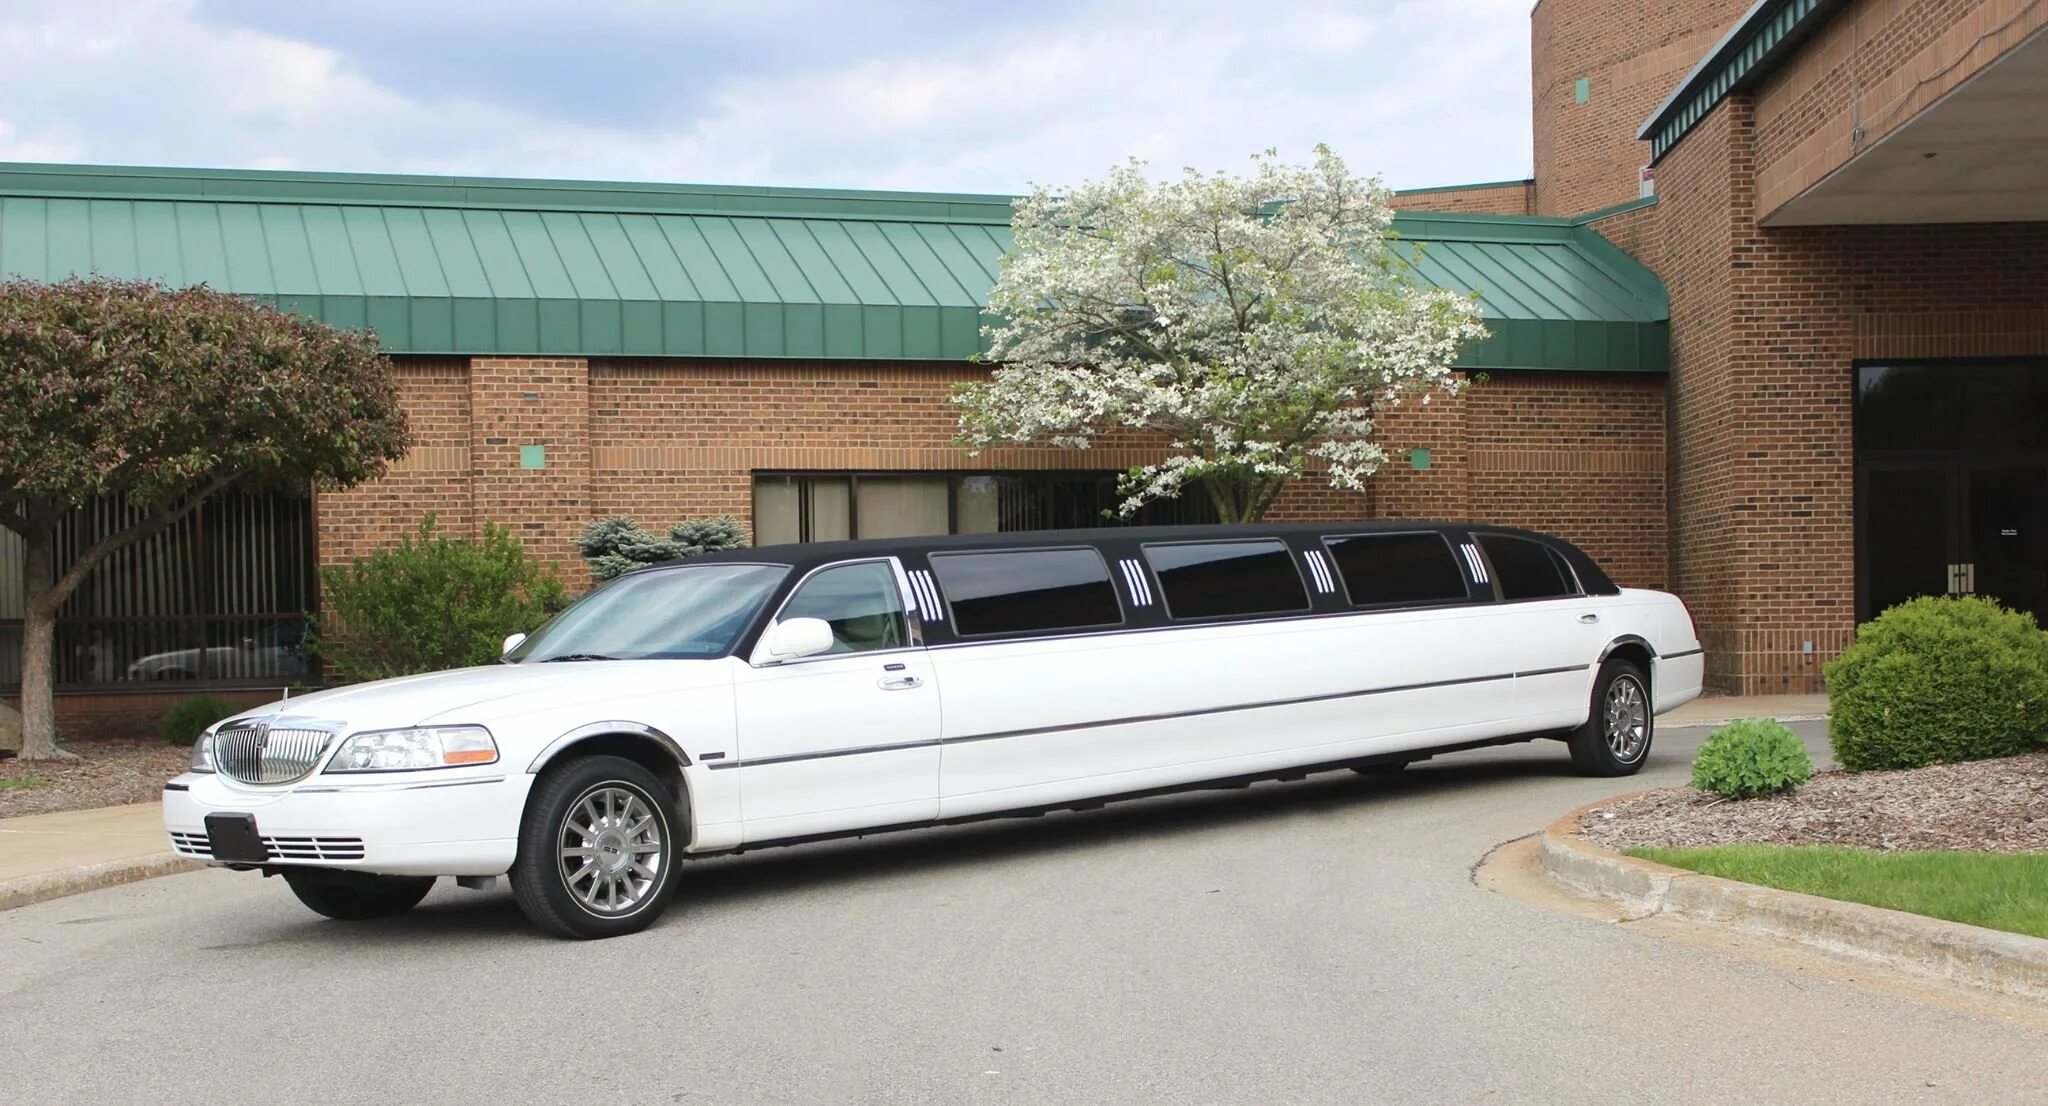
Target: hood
{"x": 486, "y": 694}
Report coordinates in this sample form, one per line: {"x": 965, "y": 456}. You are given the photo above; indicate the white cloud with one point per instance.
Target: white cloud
{"x": 1426, "y": 93}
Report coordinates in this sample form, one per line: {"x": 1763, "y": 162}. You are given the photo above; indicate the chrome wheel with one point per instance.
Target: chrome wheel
{"x": 1628, "y": 719}
{"x": 611, "y": 851}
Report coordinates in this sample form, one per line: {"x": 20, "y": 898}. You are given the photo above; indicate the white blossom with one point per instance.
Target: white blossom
{"x": 1256, "y": 322}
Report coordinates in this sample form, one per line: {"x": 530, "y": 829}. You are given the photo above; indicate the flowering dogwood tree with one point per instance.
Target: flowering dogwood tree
{"x": 1257, "y": 322}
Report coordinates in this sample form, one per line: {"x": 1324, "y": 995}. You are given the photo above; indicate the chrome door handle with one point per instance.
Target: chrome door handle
{"x": 897, "y": 683}
{"x": 1589, "y": 619}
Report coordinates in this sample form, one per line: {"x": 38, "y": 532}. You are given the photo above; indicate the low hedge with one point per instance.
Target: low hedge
{"x": 1937, "y": 680}
{"x": 1755, "y": 756}
{"x": 190, "y": 717}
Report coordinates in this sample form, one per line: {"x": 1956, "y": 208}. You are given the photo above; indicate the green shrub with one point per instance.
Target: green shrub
{"x": 617, "y": 545}
{"x": 1935, "y": 680}
{"x": 190, "y": 717}
{"x": 1756, "y": 756}
{"x": 431, "y": 602}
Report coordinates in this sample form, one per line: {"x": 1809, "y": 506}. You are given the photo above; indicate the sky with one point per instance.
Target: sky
{"x": 989, "y": 96}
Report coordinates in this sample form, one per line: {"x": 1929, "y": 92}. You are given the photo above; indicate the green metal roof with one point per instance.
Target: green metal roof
{"x": 1766, "y": 34}
{"x": 479, "y": 266}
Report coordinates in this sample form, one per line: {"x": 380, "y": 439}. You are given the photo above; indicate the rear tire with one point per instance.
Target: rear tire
{"x": 1615, "y": 741}
{"x": 356, "y": 896}
{"x": 598, "y": 848}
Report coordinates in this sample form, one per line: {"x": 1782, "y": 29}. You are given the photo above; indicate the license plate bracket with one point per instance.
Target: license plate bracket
{"x": 234, "y": 839}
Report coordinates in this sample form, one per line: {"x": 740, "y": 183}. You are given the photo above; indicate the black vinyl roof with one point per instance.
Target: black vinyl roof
{"x": 807, "y": 555}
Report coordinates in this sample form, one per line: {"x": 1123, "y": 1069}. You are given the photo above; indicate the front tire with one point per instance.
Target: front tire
{"x": 1615, "y": 741}
{"x": 597, "y": 851}
{"x": 356, "y": 896}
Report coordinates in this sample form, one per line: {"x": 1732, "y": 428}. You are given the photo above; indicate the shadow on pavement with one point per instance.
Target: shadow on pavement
{"x": 727, "y": 879}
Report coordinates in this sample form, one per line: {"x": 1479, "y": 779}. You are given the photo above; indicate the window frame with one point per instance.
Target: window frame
{"x": 1472, "y": 593}
{"x": 913, "y": 622}
{"x": 1558, "y": 561}
{"x": 1308, "y": 591}
{"x": 1123, "y": 622}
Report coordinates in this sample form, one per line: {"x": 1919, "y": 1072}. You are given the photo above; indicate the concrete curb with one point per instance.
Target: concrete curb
{"x": 91, "y": 877}
{"x": 2010, "y": 963}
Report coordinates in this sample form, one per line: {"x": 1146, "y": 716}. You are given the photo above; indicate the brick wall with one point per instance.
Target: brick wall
{"x": 1506, "y": 198}
{"x": 434, "y": 475}
{"x": 1632, "y": 55}
{"x": 1866, "y": 72}
{"x": 1766, "y": 326}
{"x": 662, "y": 440}
{"x": 1636, "y": 234}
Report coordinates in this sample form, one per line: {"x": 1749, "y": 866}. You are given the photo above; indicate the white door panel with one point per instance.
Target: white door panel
{"x": 847, "y": 738}
{"x": 806, "y": 735}
{"x": 1174, "y": 705}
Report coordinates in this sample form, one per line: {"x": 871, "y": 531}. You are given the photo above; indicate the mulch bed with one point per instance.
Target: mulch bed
{"x": 106, "y": 773}
{"x": 1998, "y": 806}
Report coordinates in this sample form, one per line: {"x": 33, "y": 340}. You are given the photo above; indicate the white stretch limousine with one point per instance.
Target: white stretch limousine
{"x": 767, "y": 696}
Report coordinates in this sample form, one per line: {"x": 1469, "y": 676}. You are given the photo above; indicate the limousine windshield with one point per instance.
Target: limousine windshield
{"x": 691, "y": 611}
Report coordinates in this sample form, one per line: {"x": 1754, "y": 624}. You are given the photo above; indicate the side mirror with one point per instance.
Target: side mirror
{"x": 799, "y": 637}
{"x": 511, "y": 642}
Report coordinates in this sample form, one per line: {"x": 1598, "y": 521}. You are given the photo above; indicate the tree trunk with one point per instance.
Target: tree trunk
{"x": 38, "y": 645}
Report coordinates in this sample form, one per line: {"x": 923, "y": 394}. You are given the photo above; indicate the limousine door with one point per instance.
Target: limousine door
{"x": 1555, "y": 630}
{"x": 848, "y": 738}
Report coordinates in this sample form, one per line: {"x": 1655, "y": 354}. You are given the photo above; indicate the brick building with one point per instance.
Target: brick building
{"x": 1768, "y": 322}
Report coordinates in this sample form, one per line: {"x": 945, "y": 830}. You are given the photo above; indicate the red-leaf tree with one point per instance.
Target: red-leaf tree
{"x": 163, "y": 397}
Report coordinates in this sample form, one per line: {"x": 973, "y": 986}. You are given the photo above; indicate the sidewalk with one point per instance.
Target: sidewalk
{"x": 45, "y": 856}
{"x": 1715, "y": 710}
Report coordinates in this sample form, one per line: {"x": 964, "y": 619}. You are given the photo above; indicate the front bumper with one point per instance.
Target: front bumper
{"x": 411, "y": 824}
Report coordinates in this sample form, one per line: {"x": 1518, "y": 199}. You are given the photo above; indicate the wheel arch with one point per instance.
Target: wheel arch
{"x": 638, "y": 742}
{"x": 1637, "y": 650}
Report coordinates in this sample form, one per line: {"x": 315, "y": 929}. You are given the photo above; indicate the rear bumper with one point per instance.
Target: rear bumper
{"x": 1675, "y": 681}
{"x": 467, "y": 826}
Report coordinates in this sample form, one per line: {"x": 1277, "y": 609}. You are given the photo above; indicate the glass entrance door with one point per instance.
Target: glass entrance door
{"x": 1952, "y": 482}
{"x": 2006, "y": 543}
{"x": 1908, "y": 535}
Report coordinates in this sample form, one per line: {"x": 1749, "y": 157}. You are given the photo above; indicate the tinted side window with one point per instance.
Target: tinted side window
{"x": 1221, "y": 579}
{"x": 1398, "y": 568}
{"x": 861, "y": 603}
{"x": 1027, "y": 590}
{"x": 1526, "y": 569}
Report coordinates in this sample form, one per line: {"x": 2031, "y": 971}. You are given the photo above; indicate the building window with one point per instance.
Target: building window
{"x": 794, "y": 507}
{"x": 219, "y": 598}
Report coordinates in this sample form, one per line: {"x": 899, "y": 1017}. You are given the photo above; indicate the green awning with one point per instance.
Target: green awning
{"x": 473, "y": 266}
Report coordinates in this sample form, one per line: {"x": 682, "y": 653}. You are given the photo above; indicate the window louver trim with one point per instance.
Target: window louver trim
{"x": 929, "y": 607}
{"x": 1134, "y": 579}
{"x": 1475, "y": 563}
{"x": 1320, "y": 569}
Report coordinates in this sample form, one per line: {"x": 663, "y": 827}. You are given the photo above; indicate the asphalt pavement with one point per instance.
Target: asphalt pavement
{"x": 1318, "y": 941}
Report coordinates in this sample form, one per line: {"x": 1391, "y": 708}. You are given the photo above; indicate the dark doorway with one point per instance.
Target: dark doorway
{"x": 1952, "y": 482}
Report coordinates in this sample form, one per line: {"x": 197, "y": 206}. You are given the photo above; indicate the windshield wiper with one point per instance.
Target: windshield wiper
{"x": 579, "y": 657}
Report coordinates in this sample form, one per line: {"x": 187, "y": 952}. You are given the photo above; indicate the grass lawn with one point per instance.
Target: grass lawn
{"x": 21, "y": 783}
{"x": 2006, "y": 891}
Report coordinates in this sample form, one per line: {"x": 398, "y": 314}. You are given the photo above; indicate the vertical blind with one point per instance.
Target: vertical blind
{"x": 219, "y": 597}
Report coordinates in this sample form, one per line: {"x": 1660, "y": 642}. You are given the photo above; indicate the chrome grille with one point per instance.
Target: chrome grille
{"x": 279, "y": 848}
{"x": 258, "y": 754}
{"x": 314, "y": 848}
{"x": 191, "y": 844}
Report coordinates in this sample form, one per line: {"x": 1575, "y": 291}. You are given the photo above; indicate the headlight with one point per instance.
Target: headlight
{"x": 202, "y": 753}
{"x": 420, "y": 747}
